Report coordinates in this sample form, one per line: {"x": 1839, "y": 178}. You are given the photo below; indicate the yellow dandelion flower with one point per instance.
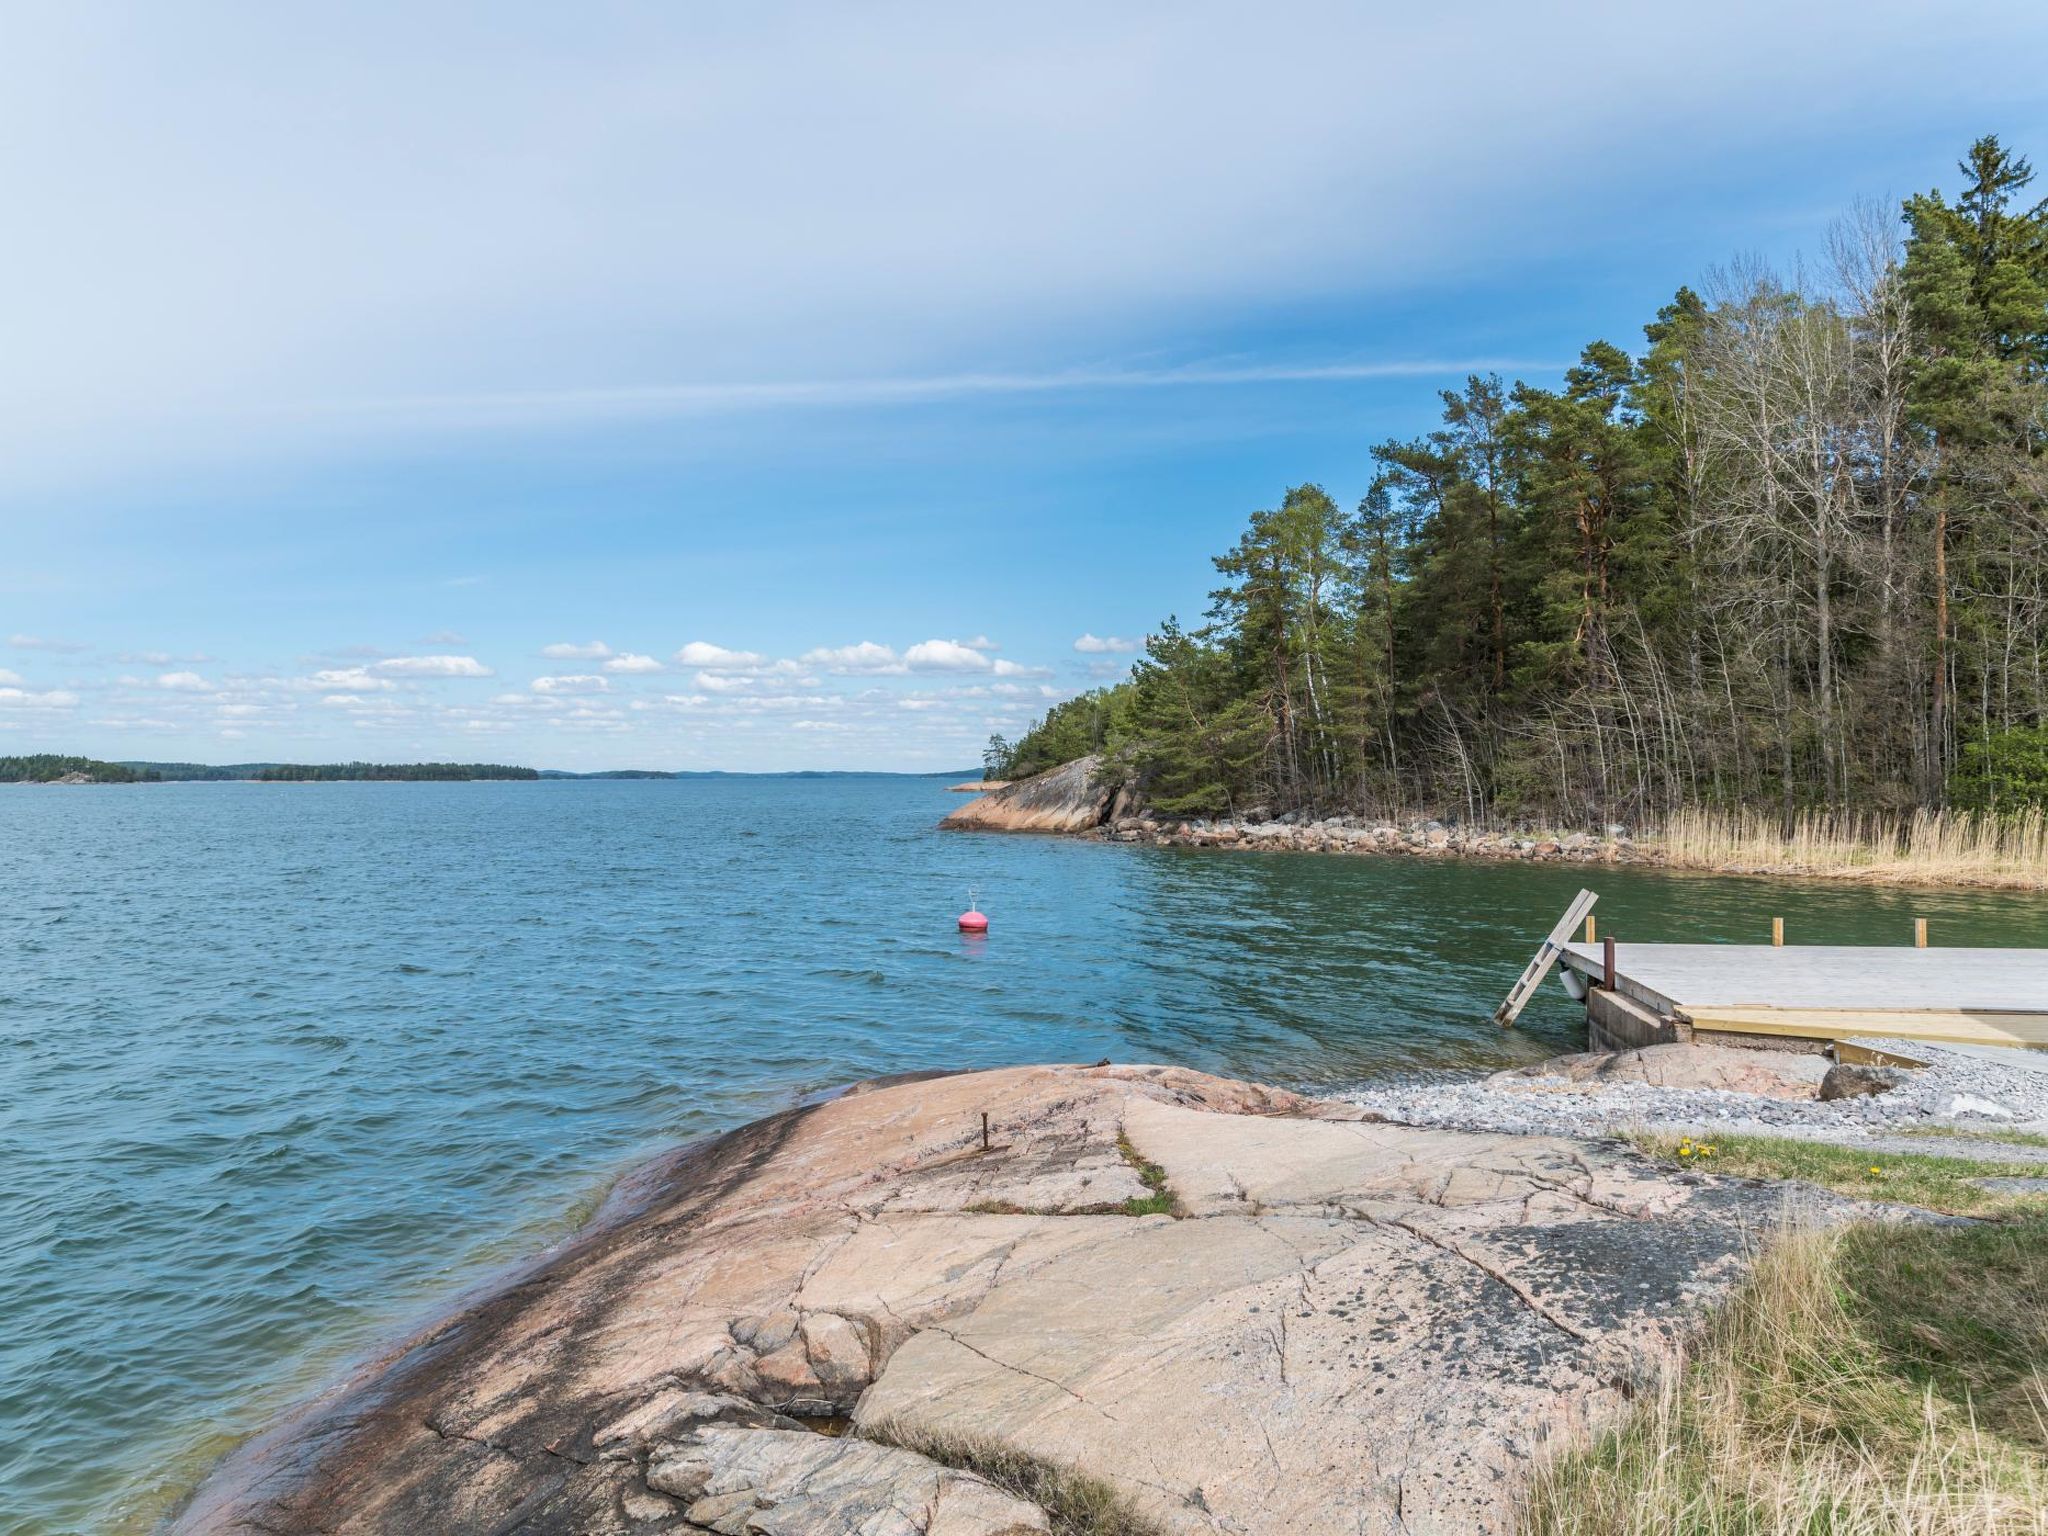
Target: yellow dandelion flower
{"x": 1875, "y": 1169}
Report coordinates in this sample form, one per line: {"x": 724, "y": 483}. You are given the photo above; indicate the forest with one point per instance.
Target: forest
{"x": 1791, "y": 553}
{"x": 48, "y": 767}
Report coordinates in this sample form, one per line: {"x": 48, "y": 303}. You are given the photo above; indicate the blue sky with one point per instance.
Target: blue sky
{"x": 766, "y": 386}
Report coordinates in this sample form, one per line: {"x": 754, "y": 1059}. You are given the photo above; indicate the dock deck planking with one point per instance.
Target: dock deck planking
{"x": 1993, "y": 997}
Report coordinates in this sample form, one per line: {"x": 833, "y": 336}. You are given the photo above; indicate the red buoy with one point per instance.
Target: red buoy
{"x": 973, "y": 922}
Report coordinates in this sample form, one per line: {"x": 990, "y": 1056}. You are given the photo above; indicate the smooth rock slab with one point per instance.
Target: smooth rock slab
{"x": 1358, "y": 1327}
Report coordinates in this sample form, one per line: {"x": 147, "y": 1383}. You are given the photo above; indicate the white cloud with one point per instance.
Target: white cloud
{"x": 589, "y": 650}
{"x": 22, "y": 698}
{"x": 575, "y": 682}
{"x": 944, "y": 656}
{"x": 184, "y": 682}
{"x": 702, "y": 653}
{"x": 40, "y": 643}
{"x": 1013, "y": 669}
{"x": 432, "y": 666}
{"x": 722, "y": 682}
{"x": 355, "y": 679}
{"x": 13, "y": 678}
{"x": 1109, "y": 645}
{"x": 864, "y": 658}
{"x": 632, "y": 661}
{"x": 981, "y": 643}
{"x": 444, "y": 637}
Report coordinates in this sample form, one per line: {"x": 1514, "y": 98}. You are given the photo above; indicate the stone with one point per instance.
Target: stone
{"x": 1075, "y": 797}
{"x": 1953, "y": 1106}
{"x": 1772, "y": 1074}
{"x": 1357, "y": 1326}
{"x": 739, "y": 1481}
{"x": 1850, "y": 1080}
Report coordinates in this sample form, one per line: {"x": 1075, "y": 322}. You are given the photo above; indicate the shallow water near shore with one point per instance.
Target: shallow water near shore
{"x": 284, "y": 1066}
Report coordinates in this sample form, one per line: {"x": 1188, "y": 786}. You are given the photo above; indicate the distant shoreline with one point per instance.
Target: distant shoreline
{"x": 66, "y": 770}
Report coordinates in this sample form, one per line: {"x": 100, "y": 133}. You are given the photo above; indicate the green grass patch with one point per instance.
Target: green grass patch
{"x": 1159, "y": 1200}
{"x": 1874, "y": 1380}
{"x": 1075, "y": 1503}
{"x": 2010, "y": 1138}
{"x": 1933, "y": 1182}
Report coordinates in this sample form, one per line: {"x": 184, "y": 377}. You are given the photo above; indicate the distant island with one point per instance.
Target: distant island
{"x": 51, "y": 768}
{"x": 55, "y": 768}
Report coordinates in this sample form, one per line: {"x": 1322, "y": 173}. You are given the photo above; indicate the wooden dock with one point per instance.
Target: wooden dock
{"x": 1821, "y": 992}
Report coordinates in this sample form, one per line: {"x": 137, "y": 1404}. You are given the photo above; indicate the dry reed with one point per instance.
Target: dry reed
{"x": 1923, "y": 848}
{"x": 1788, "y": 1422}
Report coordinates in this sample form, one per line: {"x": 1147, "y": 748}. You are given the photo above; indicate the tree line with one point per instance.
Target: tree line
{"x": 1790, "y": 553}
{"x": 48, "y": 767}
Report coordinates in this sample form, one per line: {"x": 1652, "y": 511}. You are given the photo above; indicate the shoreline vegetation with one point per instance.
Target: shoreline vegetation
{"x": 1772, "y": 584}
{"x": 1927, "y": 848}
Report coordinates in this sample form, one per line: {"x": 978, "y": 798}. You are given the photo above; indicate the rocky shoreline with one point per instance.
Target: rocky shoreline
{"x": 1363, "y": 834}
{"x": 1085, "y": 798}
{"x": 1232, "y": 1307}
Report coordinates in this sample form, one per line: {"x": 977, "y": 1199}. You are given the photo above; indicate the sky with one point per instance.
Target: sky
{"x": 766, "y": 386}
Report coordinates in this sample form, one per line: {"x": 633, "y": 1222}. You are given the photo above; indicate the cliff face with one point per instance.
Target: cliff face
{"x": 1075, "y": 797}
{"x": 1316, "y": 1324}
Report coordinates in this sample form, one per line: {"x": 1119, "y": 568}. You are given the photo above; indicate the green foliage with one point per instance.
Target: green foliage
{"x": 47, "y": 768}
{"x": 400, "y": 772}
{"x": 2004, "y": 771}
{"x": 1789, "y": 558}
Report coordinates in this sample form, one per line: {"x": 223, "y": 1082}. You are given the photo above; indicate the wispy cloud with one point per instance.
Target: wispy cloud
{"x": 43, "y": 643}
{"x": 511, "y": 406}
{"x": 566, "y": 650}
{"x": 1106, "y": 645}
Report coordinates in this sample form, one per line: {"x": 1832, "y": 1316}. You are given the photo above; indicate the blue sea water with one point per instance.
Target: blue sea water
{"x": 284, "y": 1066}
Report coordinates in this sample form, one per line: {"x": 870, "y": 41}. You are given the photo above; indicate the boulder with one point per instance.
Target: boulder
{"x": 739, "y": 1480}
{"x": 1074, "y": 797}
{"x": 1848, "y": 1080}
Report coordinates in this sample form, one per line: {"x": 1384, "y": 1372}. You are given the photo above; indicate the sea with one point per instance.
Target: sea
{"x": 284, "y": 1067}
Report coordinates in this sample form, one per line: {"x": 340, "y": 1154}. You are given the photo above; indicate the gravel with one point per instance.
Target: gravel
{"x": 1955, "y": 1089}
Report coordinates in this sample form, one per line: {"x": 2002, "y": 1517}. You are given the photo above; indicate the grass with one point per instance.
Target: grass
{"x": 1873, "y": 1380}
{"x": 1075, "y": 1503}
{"x": 1935, "y": 1183}
{"x": 1158, "y": 1199}
{"x": 1923, "y": 848}
{"x": 2010, "y": 1138}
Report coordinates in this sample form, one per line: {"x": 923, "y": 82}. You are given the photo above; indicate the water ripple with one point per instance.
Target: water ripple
{"x": 279, "y": 1072}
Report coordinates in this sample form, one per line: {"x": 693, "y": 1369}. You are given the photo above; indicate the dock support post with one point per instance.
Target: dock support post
{"x": 1592, "y": 933}
{"x": 1607, "y": 962}
{"x": 1919, "y": 933}
{"x": 1778, "y": 932}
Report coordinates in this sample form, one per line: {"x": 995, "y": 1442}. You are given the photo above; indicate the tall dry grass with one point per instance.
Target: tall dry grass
{"x": 1796, "y": 1417}
{"x": 1926, "y": 847}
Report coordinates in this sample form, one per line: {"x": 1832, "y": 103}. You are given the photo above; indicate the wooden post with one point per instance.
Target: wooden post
{"x": 1592, "y": 933}
{"x": 1919, "y": 933}
{"x": 984, "y": 1130}
{"x": 1777, "y": 932}
{"x": 1607, "y": 962}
